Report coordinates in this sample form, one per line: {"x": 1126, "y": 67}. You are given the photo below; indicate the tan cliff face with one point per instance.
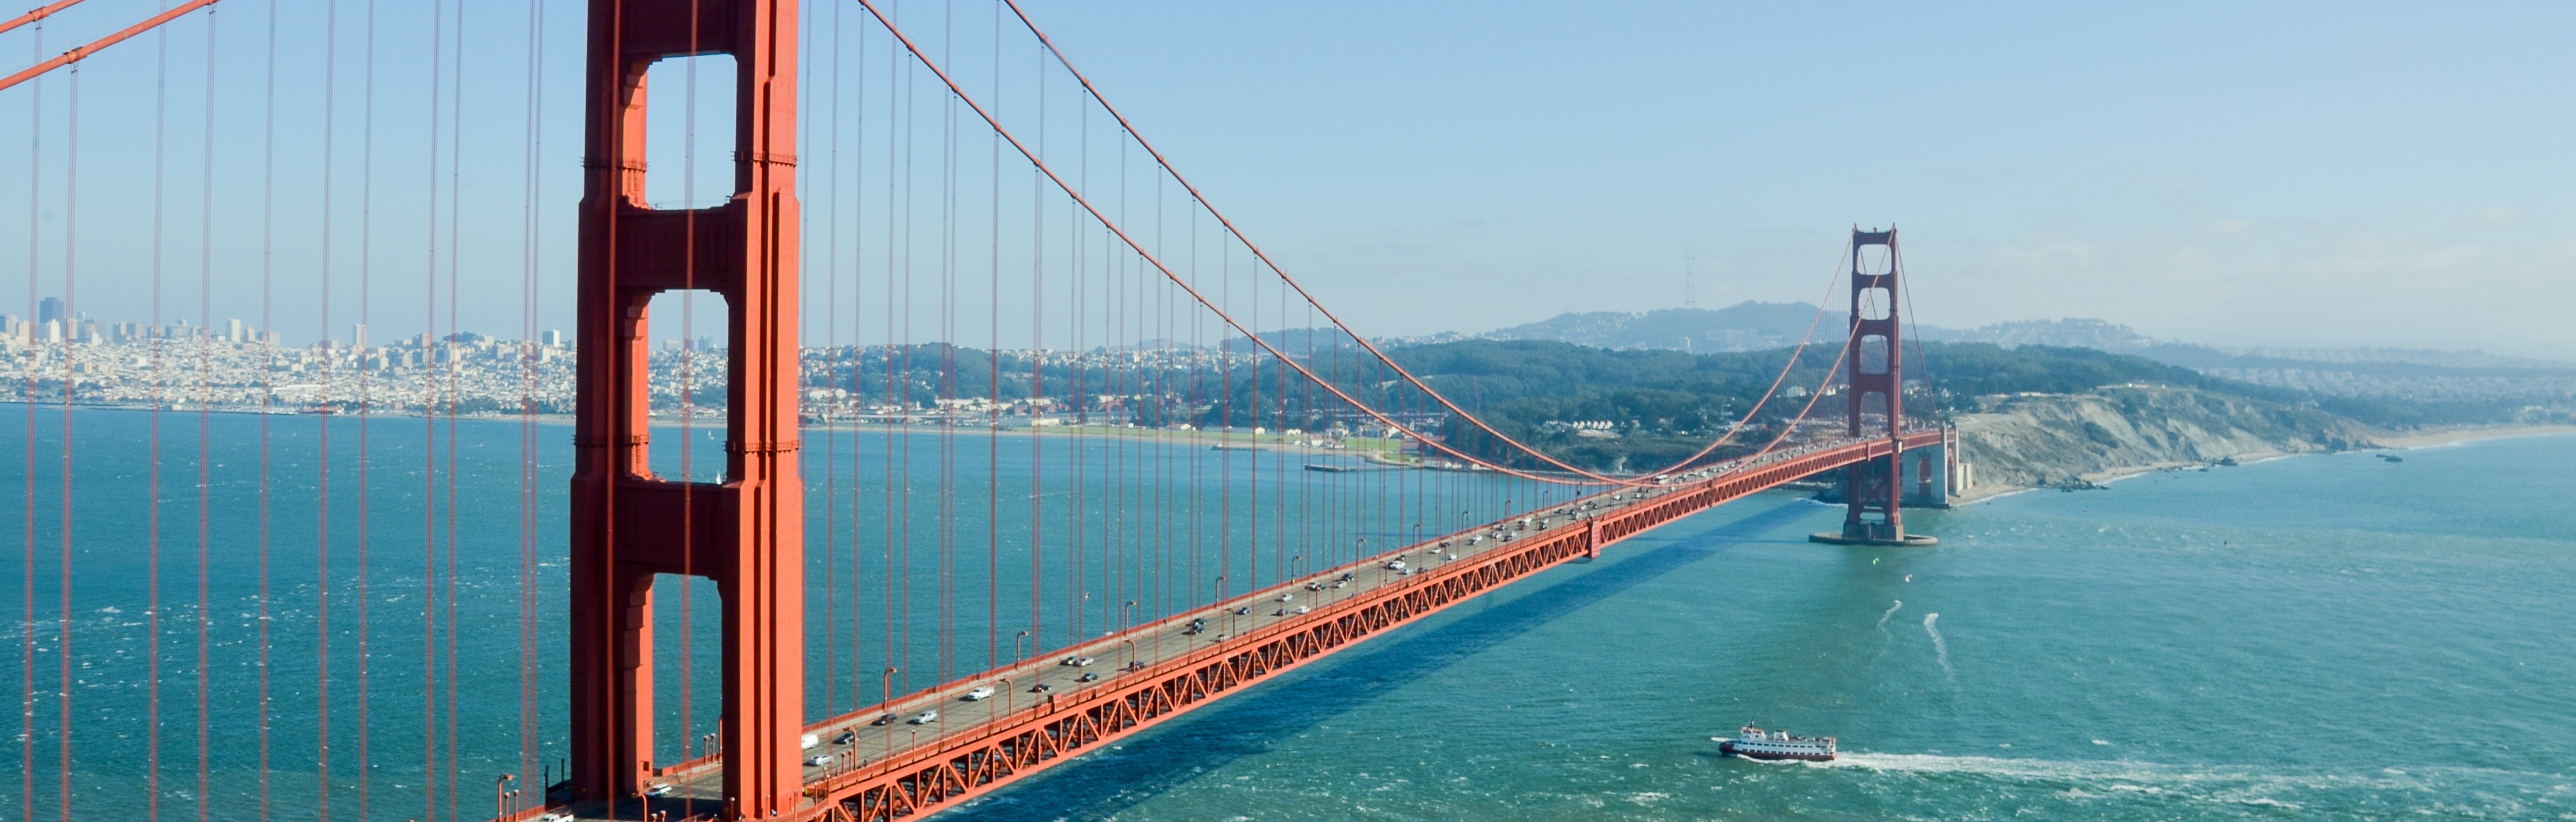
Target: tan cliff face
{"x": 2021, "y": 441}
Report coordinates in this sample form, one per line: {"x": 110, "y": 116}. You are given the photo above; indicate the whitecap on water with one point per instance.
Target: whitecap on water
{"x": 1938, "y": 647}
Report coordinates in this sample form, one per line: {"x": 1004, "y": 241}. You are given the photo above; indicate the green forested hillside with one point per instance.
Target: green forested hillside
{"x": 1663, "y": 405}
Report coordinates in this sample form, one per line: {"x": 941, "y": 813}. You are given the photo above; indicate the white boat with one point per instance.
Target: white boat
{"x": 1754, "y": 743}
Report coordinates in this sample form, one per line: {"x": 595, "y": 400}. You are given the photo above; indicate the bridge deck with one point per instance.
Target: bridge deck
{"x": 1044, "y": 710}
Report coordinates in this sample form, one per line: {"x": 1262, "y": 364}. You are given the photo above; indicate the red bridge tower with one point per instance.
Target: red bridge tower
{"x": 1875, "y": 368}
{"x": 629, "y": 524}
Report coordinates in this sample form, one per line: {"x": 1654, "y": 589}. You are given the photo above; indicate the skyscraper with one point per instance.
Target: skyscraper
{"x": 51, "y": 310}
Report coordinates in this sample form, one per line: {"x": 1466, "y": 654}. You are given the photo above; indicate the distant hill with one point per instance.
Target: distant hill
{"x": 2439, "y": 386}
{"x": 1745, "y": 326}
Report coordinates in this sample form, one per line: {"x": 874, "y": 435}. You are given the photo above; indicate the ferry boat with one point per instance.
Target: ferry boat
{"x": 1754, "y": 743}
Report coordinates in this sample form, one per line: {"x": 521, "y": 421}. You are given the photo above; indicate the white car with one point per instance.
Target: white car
{"x": 819, "y": 759}
{"x": 924, "y": 718}
{"x": 981, "y": 693}
{"x": 658, "y": 789}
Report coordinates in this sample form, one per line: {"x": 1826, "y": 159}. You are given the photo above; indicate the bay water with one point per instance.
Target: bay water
{"x": 2326, "y": 637}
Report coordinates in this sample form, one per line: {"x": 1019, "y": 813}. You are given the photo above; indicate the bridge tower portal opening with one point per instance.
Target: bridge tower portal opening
{"x": 1874, "y": 368}
{"x": 743, "y": 532}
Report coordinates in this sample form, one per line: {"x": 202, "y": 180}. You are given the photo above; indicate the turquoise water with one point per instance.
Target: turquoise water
{"x": 2330, "y": 637}
{"x": 2326, "y": 637}
{"x": 444, "y": 519}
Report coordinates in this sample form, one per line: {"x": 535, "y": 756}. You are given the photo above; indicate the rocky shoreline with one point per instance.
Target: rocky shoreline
{"x": 2085, "y": 441}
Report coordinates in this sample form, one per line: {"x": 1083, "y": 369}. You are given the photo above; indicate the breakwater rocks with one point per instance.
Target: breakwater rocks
{"x": 2070, "y": 440}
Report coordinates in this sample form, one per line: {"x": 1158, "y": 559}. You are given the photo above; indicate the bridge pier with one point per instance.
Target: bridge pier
{"x": 1874, "y": 365}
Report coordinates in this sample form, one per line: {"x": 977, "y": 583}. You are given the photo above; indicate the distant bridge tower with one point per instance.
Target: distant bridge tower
{"x": 629, "y": 524}
{"x": 1875, "y": 369}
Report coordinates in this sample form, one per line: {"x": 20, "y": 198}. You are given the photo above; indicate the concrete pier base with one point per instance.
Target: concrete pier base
{"x": 1907, "y": 541}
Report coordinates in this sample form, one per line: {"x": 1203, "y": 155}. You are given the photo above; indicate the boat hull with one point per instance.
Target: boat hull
{"x": 1729, "y": 749}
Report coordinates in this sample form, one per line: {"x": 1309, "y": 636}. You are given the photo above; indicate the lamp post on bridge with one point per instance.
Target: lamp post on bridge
{"x": 885, "y": 700}
{"x": 1219, "y": 599}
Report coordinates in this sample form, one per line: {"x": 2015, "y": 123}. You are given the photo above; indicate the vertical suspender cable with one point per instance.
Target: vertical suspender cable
{"x": 895, "y": 442}
{"x": 455, "y": 215}
{"x": 859, "y": 359}
{"x": 947, "y": 370}
{"x": 205, "y": 295}
{"x": 429, "y": 529}
{"x": 831, "y": 341}
{"x": 688, "y": 356}
{"x": 322, "y": 426}
{"x": 689, "y": 390}
{"x": 63, "y": 644}
{"x": 27, "y": 470}
{"x": 1037, "y": 377}
{"x": 993, "y": 433}
{"x": 1077, "y": 591}
{"x": 268, "y": 350}
{"x": 330, "y": 363}
{"x": 160, "y": 378}
{"x": 529, "y": 362}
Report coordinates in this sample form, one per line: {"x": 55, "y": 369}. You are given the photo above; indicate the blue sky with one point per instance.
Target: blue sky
{"x": 2263, "y": 173}
{"x": 2243, "y": 174}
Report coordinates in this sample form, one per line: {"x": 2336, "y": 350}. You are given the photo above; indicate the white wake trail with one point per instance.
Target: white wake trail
{"x": 1882, "y": 619}
{"x": 1938, "y": 646}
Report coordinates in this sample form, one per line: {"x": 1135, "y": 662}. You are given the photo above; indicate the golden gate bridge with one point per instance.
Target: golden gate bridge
{"x": 1155, "y": 541}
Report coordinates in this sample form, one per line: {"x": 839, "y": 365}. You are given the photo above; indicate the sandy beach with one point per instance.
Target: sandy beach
{"x": 2452, "y": 435}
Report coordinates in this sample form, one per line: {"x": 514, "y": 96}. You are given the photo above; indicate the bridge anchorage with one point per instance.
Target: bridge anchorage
{"x": 1873, "y": 489}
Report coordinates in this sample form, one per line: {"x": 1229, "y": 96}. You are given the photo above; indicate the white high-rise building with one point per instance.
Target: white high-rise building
{"x": 233, "y": 332}
{"x": 358, "y": 336}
